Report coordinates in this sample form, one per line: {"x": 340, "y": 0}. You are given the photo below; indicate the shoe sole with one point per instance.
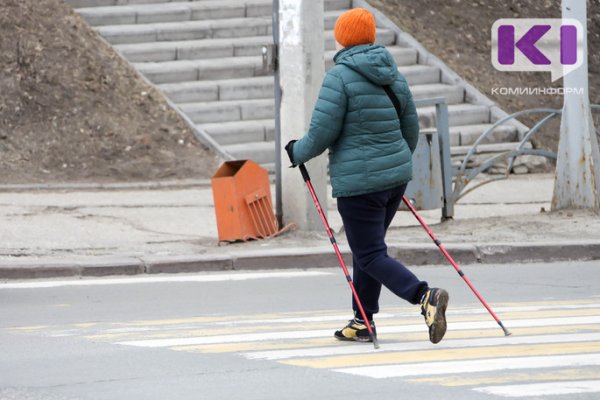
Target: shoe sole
{"x": 353, "y": 339}
{"x": 437, "y": 330}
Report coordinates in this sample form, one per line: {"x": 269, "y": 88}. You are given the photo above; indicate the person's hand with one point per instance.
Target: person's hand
{"x": 290, "y": 151}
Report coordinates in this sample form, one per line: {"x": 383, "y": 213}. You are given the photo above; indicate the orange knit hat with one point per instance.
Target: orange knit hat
{"x": 354, "y": 27}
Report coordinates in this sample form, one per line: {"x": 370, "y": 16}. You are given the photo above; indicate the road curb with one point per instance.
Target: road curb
{"x": 540, "y": 252}
{"x": 300, "y": 258}
{"x": 187, "y": 264}
{"x": 98, "y": 267}
{"x": 429, "y": 254}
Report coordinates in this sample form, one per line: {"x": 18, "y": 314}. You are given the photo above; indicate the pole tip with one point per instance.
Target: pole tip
{"x": 375, "y": 342}
{"x": 506, "y": 332}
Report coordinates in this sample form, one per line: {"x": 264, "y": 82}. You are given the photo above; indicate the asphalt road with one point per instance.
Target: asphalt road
{"x": 267, "y": 335}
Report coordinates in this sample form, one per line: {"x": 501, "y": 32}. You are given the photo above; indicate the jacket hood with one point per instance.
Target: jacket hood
{"x": 374, "y": 62}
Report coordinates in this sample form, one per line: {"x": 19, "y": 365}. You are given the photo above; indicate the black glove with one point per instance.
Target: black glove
{"x": 290, "y": 151}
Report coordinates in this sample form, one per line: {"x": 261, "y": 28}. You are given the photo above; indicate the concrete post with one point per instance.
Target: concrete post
{"x": 577, "y": 181}
{"x": 301, "y": 71}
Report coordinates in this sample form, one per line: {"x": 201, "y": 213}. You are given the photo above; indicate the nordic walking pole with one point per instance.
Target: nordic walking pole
{"x": 456, "y": 267}
{"x": 306, "y": 178}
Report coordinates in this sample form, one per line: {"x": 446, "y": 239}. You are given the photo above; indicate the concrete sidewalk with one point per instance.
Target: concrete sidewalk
{"x": 87, "y": 230}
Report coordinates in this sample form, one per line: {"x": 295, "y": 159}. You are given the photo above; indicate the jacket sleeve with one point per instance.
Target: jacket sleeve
{"x": 326, "y": 122}
{"x": 409, "y": 121}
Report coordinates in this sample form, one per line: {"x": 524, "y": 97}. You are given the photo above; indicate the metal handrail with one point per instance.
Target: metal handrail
{"x": 488, "y": 131}
{"x": 464, "y": 177}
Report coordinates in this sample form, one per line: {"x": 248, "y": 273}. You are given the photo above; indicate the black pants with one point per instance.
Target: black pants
{"x": 366, "y": 220}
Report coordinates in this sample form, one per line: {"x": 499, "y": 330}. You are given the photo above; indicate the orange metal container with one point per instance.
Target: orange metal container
{"x": 242, "y": 199}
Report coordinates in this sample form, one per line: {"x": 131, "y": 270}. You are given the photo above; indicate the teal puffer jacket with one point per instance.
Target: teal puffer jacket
{"x": 370, "y": 149}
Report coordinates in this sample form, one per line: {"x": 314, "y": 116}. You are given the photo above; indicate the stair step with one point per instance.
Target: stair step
{"x": 216, "y": 48}
{"x": 190, "y": 11}
{"x": 215, "y": 90}
{"x": 111, "y": 15}
{"x": 169, "y": 12}
{"x": 191, "y": 70}
{"x": 486, "y": 148}
{"x": 420, "y": 74}
{"x": 502, "y": 133}
{"x": 91, "y": 3}
{"x": 194, "y": 49}
{"x": 185, "y": 30}
{"x": 232, "y": 110}
{"x": 188, "y": 92}
{"x": 259, "y": 152}
{"x": 465, "y": 135}
{"x": 458, "y": 114}
{"x": 337, "y": 5}
{"x": 329, "y": 4}
{"x": 453, "y": 94}
{"x": 237, "y": 132}
{"x": 111, "y": 3}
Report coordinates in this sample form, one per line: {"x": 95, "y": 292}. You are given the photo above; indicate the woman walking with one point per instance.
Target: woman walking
{"x": 370, "y": 162}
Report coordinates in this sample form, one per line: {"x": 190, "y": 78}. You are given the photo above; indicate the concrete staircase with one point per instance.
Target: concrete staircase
{"x": 206, "y": 56}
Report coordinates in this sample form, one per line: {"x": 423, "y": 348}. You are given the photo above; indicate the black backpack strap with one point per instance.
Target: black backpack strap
{"x": 394, "y": 99}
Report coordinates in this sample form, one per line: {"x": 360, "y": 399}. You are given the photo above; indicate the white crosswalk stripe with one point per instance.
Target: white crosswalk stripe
{"x": 554, "y": 349}
{"x": 412, "y": 346}
{"x": 223, "y": 277}
{"x": 543, "y": 389}
{"x": 485, "y": 365}
{"x": 323, "y": 333}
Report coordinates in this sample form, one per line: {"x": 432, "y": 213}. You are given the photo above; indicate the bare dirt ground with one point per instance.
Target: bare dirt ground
{"x": 71, "y": 110}
{"x": 459, "y": 33}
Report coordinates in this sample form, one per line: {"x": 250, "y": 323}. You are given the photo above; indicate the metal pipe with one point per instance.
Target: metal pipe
{"x": 277, "y": 86}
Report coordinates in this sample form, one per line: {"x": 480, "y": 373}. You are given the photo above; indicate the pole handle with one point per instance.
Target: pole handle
{"x": 304, "y": 173}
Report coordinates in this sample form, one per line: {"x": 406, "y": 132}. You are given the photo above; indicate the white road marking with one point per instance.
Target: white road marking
{"x": 416, "y": 367}
{"x": 306, "y": 334}
{"x": 221, "y": 339}
{"x": 313, "y": 319}
{"x": 299, "y": 320}
{"x": 498, "y": 310}
{"x": 502, "y": 310}
{"x": 542, "y": 389}
{"x": 163, "y": 279}
{"x": 484, "y": 365}
{"x": 415, "y": 346}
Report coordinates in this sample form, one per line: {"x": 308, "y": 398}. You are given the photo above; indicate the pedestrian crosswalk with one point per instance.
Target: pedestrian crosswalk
{"x": 554, "y": 347}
